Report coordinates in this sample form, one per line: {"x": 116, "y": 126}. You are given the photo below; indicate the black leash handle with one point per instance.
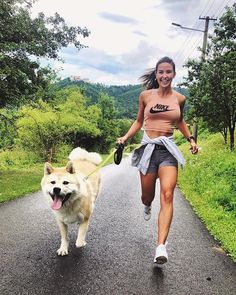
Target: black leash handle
{"x": 118, "y": 153}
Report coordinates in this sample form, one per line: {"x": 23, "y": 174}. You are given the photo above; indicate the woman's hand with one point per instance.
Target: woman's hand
{"x": 122, "y": 139}
{"x": 194, "y": 147}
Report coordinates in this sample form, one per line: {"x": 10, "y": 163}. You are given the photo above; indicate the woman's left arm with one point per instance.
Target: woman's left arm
{"x": 183, "y": 128}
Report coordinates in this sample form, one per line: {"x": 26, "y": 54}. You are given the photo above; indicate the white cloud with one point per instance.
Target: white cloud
{"x": 128, "y": 37}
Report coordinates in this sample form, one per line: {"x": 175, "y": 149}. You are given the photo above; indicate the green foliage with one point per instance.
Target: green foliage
{"x": 223, "y": 41}
{"x": 212, "y": 81}
{"x": 21, "y": 38}
{"x": 39, "y": 130}
{"x": 127, "y": 102}
{"x": 44, "y": 128}
{"x": 209, "y": 183}
{"x": 7, "y": 128}
{"x": 203, "y": 133}
{"x": 124, "y": 125}
{"x": 179, "y": 138}
{"x": 17, "y": 158}
{"x": 68, "y": 118}
{"x": 107, "y": 123}
{"x": 62, "y": 152}
{"x": 125, "y": 97}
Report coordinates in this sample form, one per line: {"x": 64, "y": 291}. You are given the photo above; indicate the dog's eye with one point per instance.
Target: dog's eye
{"x": 53, "y": 182}
{"x": 65, "y": 182}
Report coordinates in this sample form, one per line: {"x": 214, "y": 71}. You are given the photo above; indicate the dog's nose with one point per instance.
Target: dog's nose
{"x": 56, "y": 190}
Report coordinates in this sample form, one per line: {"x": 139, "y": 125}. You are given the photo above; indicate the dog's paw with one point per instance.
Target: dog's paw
{"x": 80, "y": 244}
{"x": 62, "y": 251}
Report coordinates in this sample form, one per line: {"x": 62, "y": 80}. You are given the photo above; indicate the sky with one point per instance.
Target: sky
{"x": 129, "y": 36}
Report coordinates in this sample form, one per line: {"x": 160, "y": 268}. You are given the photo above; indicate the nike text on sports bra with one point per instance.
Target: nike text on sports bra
{"x": 161, "y": 114}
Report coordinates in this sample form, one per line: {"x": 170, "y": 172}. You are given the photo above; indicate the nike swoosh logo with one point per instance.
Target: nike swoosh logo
{"x": 153, "y": 111}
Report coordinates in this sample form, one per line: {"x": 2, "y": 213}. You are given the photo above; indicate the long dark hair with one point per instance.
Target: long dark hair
{"x": 148, "y": 79}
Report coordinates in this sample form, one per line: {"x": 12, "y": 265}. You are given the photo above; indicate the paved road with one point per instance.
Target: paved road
{"x": 118, "y": 257}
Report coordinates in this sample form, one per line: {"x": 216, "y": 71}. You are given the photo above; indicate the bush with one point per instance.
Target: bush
{"x": 17, "y": 157}
{"x": 44, "y": 129}
{"x": 179, "y": 138}
{"x": 62, "y": 153}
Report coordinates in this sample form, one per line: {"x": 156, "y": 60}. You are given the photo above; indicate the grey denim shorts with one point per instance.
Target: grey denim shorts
{"x": 160, "y": 157}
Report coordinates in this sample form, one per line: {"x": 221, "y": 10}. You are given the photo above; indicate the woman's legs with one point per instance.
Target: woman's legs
{"x": 148, "y": 184}
{"x": 168, "y": 179}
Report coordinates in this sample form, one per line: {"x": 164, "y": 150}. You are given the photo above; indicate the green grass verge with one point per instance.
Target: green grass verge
{"x": 208, "y": 182}
{"x": 18, "y": 182}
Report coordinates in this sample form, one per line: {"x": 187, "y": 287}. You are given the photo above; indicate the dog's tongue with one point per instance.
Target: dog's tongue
{"x": 57, "y": 203}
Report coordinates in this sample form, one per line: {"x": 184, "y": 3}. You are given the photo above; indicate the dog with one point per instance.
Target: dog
{"x": 72, "y": 192}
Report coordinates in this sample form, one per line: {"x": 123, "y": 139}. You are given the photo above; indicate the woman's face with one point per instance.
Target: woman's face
{"x": 165, "y": 74}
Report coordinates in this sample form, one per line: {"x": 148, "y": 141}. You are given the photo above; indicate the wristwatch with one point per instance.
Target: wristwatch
{"x": 190, "y": 137}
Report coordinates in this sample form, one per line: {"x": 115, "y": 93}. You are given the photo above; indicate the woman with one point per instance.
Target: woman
{"x": 160, "y": 109}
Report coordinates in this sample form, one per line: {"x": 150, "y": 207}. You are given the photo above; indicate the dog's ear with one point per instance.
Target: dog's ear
{"x": 48, "y": 169}
{"x": 70, "y": 167}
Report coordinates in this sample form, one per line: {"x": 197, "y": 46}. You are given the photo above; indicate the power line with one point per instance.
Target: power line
{"x": 188, "y": 48}
{"x": 180, "y": 56}
{"x": 207, "y": 12}
{"x": 183, "y": 47}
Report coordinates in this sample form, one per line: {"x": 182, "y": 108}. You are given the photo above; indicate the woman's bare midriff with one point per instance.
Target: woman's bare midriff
{"x": 155, "y": 134}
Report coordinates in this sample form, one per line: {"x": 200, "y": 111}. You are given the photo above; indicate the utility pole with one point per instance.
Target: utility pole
{"x": 204, "y": 46}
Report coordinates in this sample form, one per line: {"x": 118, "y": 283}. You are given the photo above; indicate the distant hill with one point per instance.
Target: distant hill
{"x": 125, "y": 96}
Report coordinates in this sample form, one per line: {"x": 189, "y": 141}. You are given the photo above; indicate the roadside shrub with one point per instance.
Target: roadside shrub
{"x": 17, "y": 157}
{"x": 44, "y": 129}
{"x": 62, "y": 153}
{"x": 179, "y": 138}
{"x": 7, "y": 128}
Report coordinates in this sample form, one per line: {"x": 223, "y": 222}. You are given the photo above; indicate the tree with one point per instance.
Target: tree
{"x": 81, "y": 121}
{"x": 107, "y": 123}
{"x": 212, "y": 82}
{"x": 44, "y": 127}
{"x": 7, "y": 128}
{"x": 124, "y": 125}
{"x": 21, "y": 39}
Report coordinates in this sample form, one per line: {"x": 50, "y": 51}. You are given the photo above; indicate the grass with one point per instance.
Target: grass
{"x": 208, "y": 182}
{"x": 18, "y": 182}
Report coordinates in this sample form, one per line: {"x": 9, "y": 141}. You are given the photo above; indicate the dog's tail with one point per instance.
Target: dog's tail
{"x": 81, "y": 154}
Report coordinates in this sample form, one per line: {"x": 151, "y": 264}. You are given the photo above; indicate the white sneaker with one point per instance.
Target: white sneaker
{"x": 147, "y": 212}
{"x": 161, "y": 256}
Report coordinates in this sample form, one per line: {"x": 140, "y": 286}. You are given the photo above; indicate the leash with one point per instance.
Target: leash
{"x": 117, "y": 153}
{"x": 100, "y": 165}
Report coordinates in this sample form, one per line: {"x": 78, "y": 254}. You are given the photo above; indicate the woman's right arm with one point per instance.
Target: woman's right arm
{"x": 138, "y": 123}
